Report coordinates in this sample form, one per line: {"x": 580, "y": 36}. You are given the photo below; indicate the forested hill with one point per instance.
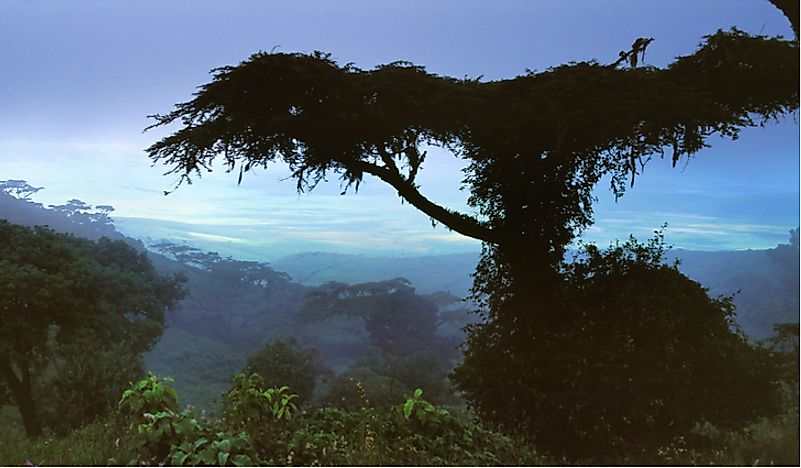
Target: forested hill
{"x": 427, "y": 273}
{"x": 73, "y": 217}
{"x": 220, "y": 322}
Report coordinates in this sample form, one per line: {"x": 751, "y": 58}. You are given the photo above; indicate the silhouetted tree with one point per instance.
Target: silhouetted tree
{"x": 57, "y": 290}
{"x": 19, "y": 188}
{"x": 536, "y": 146}
{"x": 227, "y": 270}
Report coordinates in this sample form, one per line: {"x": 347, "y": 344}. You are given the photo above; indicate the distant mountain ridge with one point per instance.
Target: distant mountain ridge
{"x": 427, "y": 274}
{"x": 767, "y": 280}
{"x": 765, "y": 283}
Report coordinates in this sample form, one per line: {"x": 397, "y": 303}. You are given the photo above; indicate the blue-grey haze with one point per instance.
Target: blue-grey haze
{"x": 79, "y": 79}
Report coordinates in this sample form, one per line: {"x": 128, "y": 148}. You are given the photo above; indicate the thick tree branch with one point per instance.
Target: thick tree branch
{"x": 461, "y": 223}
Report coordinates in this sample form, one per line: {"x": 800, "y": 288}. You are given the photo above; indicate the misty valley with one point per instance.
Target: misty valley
{"x": 380, "y": 341}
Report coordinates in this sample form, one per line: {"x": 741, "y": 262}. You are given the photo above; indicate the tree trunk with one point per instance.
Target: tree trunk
{"x": 21, "y": 392}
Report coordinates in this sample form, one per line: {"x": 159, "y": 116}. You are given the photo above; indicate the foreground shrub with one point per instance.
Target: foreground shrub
{"x": 388, "y": 379}
{"x": 95, "y": 444}
{"x": 767, "y": 442}
{"x": 412, "y": 433}
{"x": 163, "y": 435}
{"x": 284, "y": 362}
{"x": 627, "y": 356}
{"x": 261, "y": 426}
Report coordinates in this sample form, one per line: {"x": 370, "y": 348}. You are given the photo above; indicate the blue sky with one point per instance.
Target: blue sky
{"x": 79, "y": 79}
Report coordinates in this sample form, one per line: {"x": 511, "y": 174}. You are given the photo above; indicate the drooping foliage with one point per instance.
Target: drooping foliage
{"x": 57, "y": 291}
{"x": 538, "y": 143}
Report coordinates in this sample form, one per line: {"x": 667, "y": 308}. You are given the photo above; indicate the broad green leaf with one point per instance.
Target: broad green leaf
{"x": 407, "y": 408}
{"x": 208, "y": 456}
{"x": 184, "y": 425}
{"x": 242, "y": 460}
{"x": 200, "y": 442}
{"x": 224, "y": 445}
{"x": 178, "y": 458}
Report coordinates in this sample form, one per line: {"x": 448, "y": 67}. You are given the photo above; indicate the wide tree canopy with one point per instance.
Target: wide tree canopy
{"x": 537, "y": 143}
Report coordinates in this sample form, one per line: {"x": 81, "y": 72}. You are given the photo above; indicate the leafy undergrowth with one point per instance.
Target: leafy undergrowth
{"x": 263, "y": 426}
{"x": 94, "y": 444}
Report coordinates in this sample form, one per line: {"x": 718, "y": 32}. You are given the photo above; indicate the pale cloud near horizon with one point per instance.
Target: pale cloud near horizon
{"x": 266, "y": 212}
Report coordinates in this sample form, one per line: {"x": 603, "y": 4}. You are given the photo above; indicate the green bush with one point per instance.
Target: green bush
{"x": 414, "y": 432}
{"x": 162, "y": 435}
{"x": 259, "y": 428}
{"x": 97, "y": 444}
{"x": 86, "y": 385}
{"x": 283, "y": 362}
{"x": 386, "y": 379}
{"x": 217, "y": 449}
{"x": 149, "y": 409}
{"x": 768, "y": 442}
